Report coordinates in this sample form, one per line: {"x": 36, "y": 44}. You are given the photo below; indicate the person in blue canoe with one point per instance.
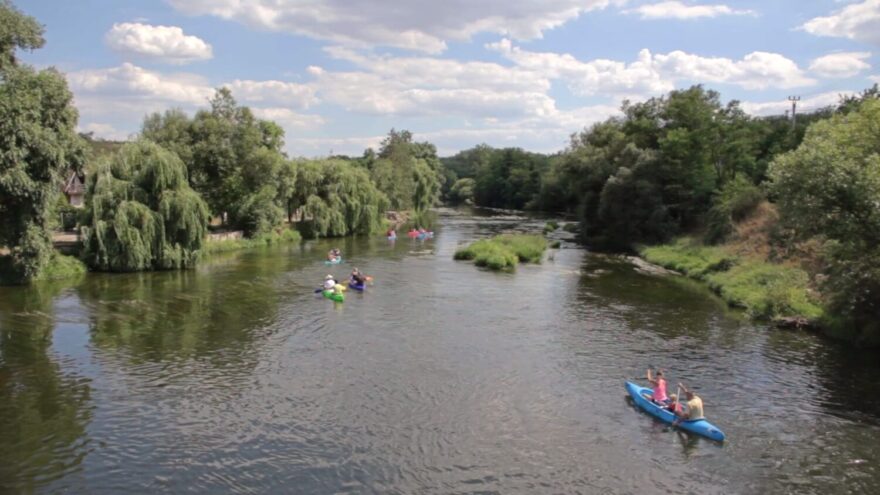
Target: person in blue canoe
{"x": 358, "y": 278}
{"x": 694, "y": 406}
{"x": 334, "y": 254}
{"x": 658, "y": 384}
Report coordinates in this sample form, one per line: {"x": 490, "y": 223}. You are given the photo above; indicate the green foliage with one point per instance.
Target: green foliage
{"x": 141, "y": 213}
{"x": 233, "y": 160}
{"x": 408, "y": 173}
{"x": 17, "y": 31}
{"x": 510, "y": 179}
{"x": 61, "y": 267}
{"x": 733, "y": 203}
{"x": 550, "y": 226}
{"x": 829, "y": 188}
{"x": 503, "y": 252}
{"x": 38, "y": 142}
{"x": 337, "y": 198}
{"x": 689, "y": 257}
{"x": 462, "y": 191}
{"x": 259, "y": 212}
{"x": 764, "y": 290}
{"x": 280, "y": 236}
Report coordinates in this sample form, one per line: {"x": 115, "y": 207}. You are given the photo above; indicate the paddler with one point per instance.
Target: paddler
{"x": 694, "y": 407}
{"x": 658, "y": 384}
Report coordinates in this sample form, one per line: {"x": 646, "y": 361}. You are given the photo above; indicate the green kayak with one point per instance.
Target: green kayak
{"x": 331, "y": 294}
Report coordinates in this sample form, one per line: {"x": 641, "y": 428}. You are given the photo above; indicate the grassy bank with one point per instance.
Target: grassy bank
{"x": 762, "y": 288}
{"x": 285, "y": 236}
{"x": 504, "y": 252}
{"x": 60, "y": 267}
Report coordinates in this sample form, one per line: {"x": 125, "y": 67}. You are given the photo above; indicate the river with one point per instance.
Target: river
{"x": 440, "y": 378}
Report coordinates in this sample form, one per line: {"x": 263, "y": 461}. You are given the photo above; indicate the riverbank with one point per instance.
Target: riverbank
{"x": 765, "y": 290}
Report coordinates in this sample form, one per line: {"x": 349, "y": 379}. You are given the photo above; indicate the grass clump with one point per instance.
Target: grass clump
{"x": 504, "y": 252}
{"x": 766, "y": 290}
{"x": 692, "y": 259}
{"x": 550, "y": 226}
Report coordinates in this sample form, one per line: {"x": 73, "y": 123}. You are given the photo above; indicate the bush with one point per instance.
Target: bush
{"x": 504, "y": 252}
{"x": 286, "y": 235}
{"x": 733, "y": 203}
{"x": 62, "y": 267}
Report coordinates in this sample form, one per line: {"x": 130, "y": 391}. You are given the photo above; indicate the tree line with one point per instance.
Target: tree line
{"x": 685, "y": 163}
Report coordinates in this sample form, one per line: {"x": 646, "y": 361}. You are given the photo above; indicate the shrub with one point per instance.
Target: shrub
{"x": 504, "y": 252}
{"x": 733, "y": 203}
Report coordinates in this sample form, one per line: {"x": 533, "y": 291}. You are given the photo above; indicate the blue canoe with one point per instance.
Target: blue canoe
{"x": 355, "y": 286}
{"x": 334, "y": 262}
{"x": 698, "y": 426}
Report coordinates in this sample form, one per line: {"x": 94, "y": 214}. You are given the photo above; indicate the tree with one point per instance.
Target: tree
{"x": 234, "y": 160}
{"x": 337, "y": 198}
{"x": 38, "y": 142}
{"x": 409, "y": 173}
{"x": 462, "y": 191}
{"x": 142, "y": 214}
{"x": 829, "y": 187}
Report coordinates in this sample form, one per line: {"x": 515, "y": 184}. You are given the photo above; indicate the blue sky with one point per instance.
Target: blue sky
{"x": 338, "y": 74}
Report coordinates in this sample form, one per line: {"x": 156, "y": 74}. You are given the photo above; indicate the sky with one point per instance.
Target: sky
{"x": 337, "y": 75}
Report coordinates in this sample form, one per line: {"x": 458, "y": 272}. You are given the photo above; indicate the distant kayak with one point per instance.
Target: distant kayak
{"x": 357, "y": 286}
{"x": 333, "y": 295}
{"x": 698, "y": 426}
{"x": 425, "y": 235}
{"x": 334, "y": 262}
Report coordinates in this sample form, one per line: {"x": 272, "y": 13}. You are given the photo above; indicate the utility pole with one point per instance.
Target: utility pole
{"x": 794, "y": 100}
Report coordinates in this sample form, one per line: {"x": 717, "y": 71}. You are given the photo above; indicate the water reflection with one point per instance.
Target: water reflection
{"x": 44, "y": 407}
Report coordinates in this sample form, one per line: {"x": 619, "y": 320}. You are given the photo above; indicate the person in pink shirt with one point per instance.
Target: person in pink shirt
{"x": 659, "y": 386}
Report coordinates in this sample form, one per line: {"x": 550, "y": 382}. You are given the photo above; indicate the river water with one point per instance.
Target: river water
{"x": 441, "y": 378}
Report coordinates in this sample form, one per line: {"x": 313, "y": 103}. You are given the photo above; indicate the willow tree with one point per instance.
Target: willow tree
{"x": 337, "y": 198}
{"x": 142, "y": 214}
{"x": 38, "y": 142}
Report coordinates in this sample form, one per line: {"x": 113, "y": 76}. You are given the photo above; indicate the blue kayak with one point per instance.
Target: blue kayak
{"x": 334, "y": 262}
{"x": 698, "y": 426}
{"x": 357, "y": 286}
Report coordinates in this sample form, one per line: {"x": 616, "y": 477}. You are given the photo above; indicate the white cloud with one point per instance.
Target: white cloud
{"x": 125, "y": 94}
{"x": 273, "y": 92}
{"x": 164, "y": 43}
{"x": 841, "y": 65}
{"x": 287, "y": 118}
{"x": 679, "y": 10}
{"x": 133, "y": 82}
{"x": 810, "y": 103}
{"x": 875, "y": 79}
{"x": 859, "y": 21}
{"x": 411, "y": 86}
{"x": 653, "y": 74}
{"x": 422, "y": 25}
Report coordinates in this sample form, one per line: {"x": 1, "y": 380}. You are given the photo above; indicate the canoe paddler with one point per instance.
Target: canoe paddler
{"x": 694, "y": 406}
{"x": 658, "y": 384}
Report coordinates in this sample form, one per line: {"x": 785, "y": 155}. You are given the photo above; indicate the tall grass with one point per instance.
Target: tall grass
{"x": 761, "y": 288}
